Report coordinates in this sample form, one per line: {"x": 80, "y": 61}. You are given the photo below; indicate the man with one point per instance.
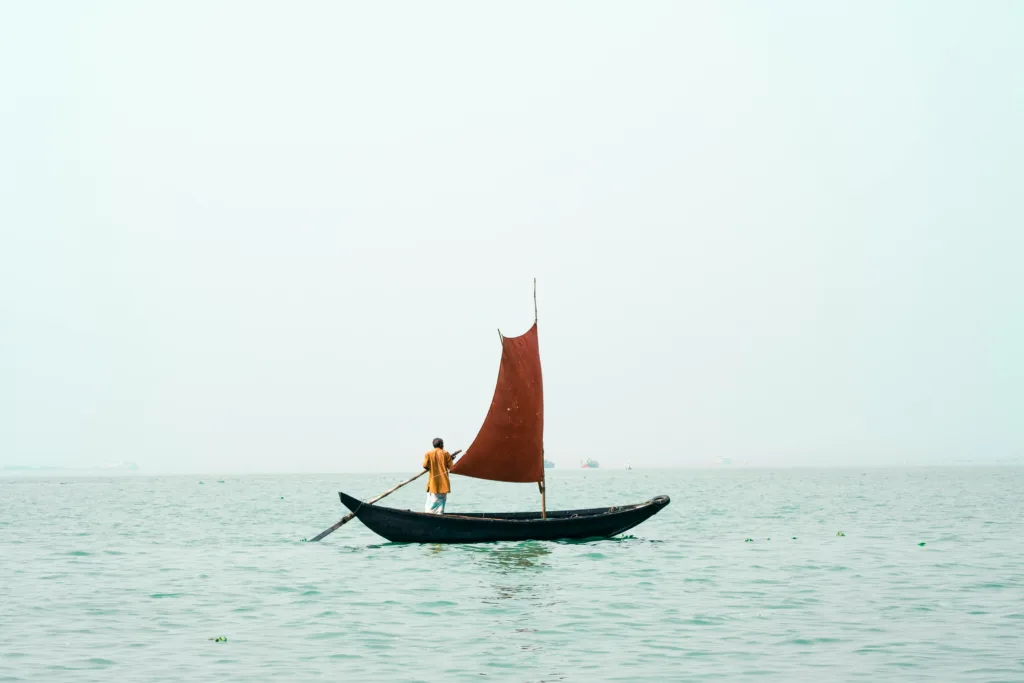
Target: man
{"x": 437, "y": 462}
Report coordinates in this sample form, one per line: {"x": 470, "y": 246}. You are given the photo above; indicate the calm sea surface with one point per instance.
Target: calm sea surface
{"x": 128, "y": 579}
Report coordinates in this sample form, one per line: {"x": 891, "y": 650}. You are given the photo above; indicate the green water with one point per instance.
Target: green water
{"x": 128, "y": 579}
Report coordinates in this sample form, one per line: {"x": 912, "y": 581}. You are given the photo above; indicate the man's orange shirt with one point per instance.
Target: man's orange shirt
{"x": 438, "y": 461}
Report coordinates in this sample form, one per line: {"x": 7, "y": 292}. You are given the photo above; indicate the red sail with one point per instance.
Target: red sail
{"x": 510, "y": 444}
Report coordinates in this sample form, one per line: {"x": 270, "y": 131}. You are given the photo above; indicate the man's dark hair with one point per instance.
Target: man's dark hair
{"x": 438, "y": 443}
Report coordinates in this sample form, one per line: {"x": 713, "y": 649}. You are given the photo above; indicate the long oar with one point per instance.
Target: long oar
{"x": 347, "y": 518}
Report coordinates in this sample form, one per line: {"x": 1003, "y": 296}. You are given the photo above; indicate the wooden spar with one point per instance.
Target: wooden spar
{"x": 541, "y": 483}
{"x": 534, "y": 301}
{"x": 348, "y": 518}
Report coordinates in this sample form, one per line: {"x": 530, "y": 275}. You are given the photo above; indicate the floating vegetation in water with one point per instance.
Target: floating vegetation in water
{"x": 202, "y": 482}
{"x": 219, "y": 639}
{"x": 767, "y": 539}
{"x": 749, "y": 540}
{"x": 921, "y": 543}
{"x": 794, "y": 538}
{"x": 220, "y": 481}
{"x": 840, "y": 533}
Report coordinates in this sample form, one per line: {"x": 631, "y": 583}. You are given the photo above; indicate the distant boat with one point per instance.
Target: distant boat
{"x": 628, "y": 466}
{"x": 589, "y": 464}
{"x": 548, "y": 464}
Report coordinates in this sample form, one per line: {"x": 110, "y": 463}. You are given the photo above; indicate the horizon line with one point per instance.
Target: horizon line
{"x": 10, "y": 472}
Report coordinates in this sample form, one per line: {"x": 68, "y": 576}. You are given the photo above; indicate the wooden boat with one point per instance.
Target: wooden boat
{"x": 405, "y": 526}
{"x": 509, "y": 447}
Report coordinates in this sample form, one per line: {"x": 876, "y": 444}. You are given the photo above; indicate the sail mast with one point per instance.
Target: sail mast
{"x": 543, "y": 475}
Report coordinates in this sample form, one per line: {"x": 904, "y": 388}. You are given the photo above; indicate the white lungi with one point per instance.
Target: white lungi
{"x": 435, "y": 503}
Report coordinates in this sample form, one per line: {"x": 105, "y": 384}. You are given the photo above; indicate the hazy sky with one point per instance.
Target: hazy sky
{"x": 281, "y": 236}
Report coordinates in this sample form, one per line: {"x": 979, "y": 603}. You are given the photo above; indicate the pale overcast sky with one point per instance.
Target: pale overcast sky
{"x": 281, "y": 236}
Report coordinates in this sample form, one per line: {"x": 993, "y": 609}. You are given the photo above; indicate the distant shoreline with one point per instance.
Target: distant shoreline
{"x": 45, "y": 472}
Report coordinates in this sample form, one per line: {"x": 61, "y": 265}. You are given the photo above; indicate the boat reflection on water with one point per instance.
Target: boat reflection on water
{"x": 519, "y": 563}
{"x": 514, "y": 568}
{"x": 508, "y": 559}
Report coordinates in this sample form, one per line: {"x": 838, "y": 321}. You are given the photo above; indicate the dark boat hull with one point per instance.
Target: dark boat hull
{"x": 406, "y": 526}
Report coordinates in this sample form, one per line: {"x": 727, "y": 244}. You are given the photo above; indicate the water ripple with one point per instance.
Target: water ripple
{"x": 147, "y": 570}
